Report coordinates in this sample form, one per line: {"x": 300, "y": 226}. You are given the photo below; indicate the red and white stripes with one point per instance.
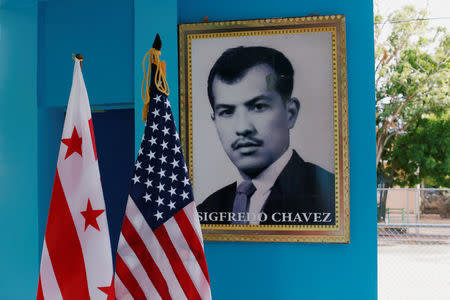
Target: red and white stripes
{"x": 76, "y": 257}
{"x": 167, "y": 263}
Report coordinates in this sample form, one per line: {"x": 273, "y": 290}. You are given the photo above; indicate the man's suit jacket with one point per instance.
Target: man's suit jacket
{"x": 301, "y": 187}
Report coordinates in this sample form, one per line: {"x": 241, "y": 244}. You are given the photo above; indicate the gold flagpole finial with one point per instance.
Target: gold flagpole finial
{"x": 79, "y": 57}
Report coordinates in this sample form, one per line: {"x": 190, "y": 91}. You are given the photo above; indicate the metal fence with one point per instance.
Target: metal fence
{"x": 414, "y": 244}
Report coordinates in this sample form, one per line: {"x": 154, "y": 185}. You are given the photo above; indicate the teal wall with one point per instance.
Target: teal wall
{"x": 35, "y": 74}
{"x": 102, "y": 31}
{"x": 151, "y": 17}
{"x": 19, "y": 249}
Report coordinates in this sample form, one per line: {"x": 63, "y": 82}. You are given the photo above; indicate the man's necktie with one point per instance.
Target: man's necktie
{"x": 242, "y": 200}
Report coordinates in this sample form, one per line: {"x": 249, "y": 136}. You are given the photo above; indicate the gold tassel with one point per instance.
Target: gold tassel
{"x": 160, "y": 78}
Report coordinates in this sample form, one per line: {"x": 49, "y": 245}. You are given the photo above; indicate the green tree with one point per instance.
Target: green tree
{"x": 412, "y": 83}
{"x": 422, "y": 154}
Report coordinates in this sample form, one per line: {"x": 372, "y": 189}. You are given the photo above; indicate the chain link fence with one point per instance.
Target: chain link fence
{"x": 413, "y": 244}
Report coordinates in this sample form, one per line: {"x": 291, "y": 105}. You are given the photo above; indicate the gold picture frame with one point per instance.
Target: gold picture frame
{"x": 316, "y": 47}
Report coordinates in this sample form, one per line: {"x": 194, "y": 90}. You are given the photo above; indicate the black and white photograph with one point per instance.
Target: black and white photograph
{"x": 263, "y": 129}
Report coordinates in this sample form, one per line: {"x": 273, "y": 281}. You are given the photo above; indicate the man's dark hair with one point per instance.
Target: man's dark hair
{"x": 235, "y": 62}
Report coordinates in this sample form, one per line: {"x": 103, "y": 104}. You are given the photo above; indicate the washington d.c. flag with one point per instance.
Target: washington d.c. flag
{"x": 76, "y": 258}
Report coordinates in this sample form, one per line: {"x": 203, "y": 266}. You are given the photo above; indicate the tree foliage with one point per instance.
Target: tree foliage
{"x": 422, "y": 154}
{"x": 412, "y": 84}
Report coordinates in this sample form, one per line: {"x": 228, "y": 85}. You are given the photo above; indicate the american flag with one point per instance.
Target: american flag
{"x": 160, "y": 253}
{"x": 76, "y": 258}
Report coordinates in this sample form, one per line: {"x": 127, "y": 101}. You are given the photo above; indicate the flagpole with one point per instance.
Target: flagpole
{"x": 80, "y": 57}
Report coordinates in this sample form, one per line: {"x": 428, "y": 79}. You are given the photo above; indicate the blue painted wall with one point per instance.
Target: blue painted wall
{"x": 18, "y": 151}
{"x": 102, "y": 31}
{"x": 151, "y": 17}
{"x": 310, "y": 271}
{"x": 50, "y": 127}
{"x": 114, "y": 36}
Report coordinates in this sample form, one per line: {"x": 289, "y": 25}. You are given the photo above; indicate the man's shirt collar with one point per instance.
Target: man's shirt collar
{"x": 264, "y": 181}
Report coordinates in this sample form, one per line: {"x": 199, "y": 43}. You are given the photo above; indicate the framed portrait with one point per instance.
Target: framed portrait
{"x": 264, "y": 128}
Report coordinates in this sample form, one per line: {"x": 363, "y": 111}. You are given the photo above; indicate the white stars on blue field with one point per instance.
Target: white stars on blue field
{"x": 160, "y": 184}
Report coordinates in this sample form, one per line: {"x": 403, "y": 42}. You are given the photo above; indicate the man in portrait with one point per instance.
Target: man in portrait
{"x": 250, "y": 92}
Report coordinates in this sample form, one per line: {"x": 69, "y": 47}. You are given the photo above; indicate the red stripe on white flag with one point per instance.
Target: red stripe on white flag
{"x": 137, "y": 271}
{"x": 192, "y": 239}
{"x": 171, "y": 255}
{"x": 91, "y": 128}
{"x": 187, "y": 257}
{"x": 49, "y": 284}
{"x": 128, "y": 280}
{"x": 153, "y": 247}
{"x": 121, "y": 290}
{"x": 151, "y": 268}
{"x": 192, "y": 215}
{"x": 177, "y": 265}
{"x": 64, "y": 247}
{"x": 40, "y": 296}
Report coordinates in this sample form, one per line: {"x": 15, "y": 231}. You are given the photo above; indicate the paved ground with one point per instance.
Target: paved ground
{"x": 414, "y": 265}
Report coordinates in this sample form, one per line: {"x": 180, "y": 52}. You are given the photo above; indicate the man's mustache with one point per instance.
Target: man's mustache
{"x": 246, "y": 142}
